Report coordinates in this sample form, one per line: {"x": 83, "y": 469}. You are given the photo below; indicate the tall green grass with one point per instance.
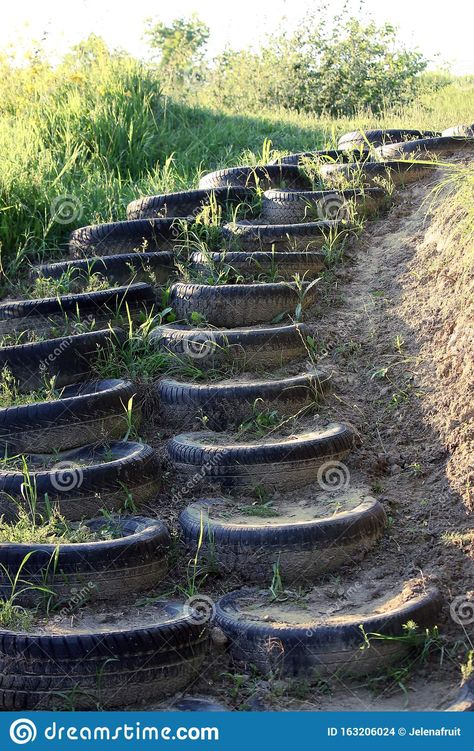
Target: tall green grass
{"x": 97, "y": 132}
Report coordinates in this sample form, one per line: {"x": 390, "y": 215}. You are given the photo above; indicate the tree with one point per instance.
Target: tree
{"x": 181, "y": 48}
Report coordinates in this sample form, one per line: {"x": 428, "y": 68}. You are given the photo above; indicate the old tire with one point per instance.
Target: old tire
{"x": 227, "y": 305}
{"x": 326, "y": 647}
{"x": 426, "y": 148}
{"x": 267, "y": 176}
{"x": 303, "y": 551}
{"x": 460, "y": 130}
{"x": 98, "y": 307}
{"x": 226, "y": 405}
{"x": 361, "y": 139}
{"x": 124, "y": 237}
{"x": 135, "y": 559}
{"x": 263, "y": 347}
{"x": 293, "y": 206}
{"x": 287, "y": 237}
{"x": 87, "y": 412}
{"x": 83, "y": 481}
{"x": 107, "y": 668}
{"x": 282, "y": 463}
{"x": 185, "y": 202}
{"x": 67, "y": 359}
{"x": 155, "y": 268}
{"x": 260, "y": 265}
{"x": 324, "y": 155}
{"x": 372, "y": 174}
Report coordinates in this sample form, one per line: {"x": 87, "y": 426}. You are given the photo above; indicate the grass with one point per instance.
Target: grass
{"x": 96, "y": 134}
{"x": 54, "y": 529}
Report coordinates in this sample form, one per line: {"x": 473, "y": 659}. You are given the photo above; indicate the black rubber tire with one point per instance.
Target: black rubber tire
{"x": 124, "y": 237}
{"x": 185, "y": 202}
{"x": 275, "y": 464}
{"x": 426, "y": 148}
{"x": 134, "y": 560}
{"x": 359, "y": 139}
{"x": 251, "y": 265}
{"x": 101, "y": 668}
{"x": 100, "y": 307}
{"x": 369, "y": 174}
{"x": 155, "y": 268}
{"x": 82, "y": 491}
{"x": 232, "y": 305}
{"x": 293, "y": 206}
{"x": 265, "y": 347}
{"x": 322, "y": 648}
{"x": 227, "y": 405}
{"x": 460, "y": 130}
{"x": 66, "y": 359}
{"x": 465, "y": 699}
{"x": 324, "y": 155}
{"x": 87, "y": 412}
{"x": 303, "y": 551}
{"x": 266, "y": 176}
{"x": 288, "y": 237}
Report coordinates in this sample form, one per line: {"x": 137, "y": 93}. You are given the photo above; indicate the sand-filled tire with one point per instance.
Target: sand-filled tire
{"x": 362, "y": 139}
{"x": 232, "y": 305}
{"x": 372, "y": 174}
{"x": 124, "y": 237}
{"x": 262, "y": 347}
{"x": 264, "y": 177}
{"x": 226, "y": 405}
{"x": 83, "y": 481}
{"x": 287, "y": 237}
{"x": 67, "y": 359}
{"x": 426, "y": 148}
{"x": 106, "y": 667}
{"x": 277, "y": 463}
{"x": 459, "y": 130}
{"x": 156, "y": 268}
{"x": 323, "y": 155}
{"x": 133, "y": 560}
{"x": 84, "y": 413}
{"x": 293, "y": 206}
{"x": 465, "y": 700}
{"x": 98, "y": 308}
{"x": 302, "y": 550}
{"x": 185, "y": 202}
{"x": 327, "y": 646}
{"x": 261, "y": 264}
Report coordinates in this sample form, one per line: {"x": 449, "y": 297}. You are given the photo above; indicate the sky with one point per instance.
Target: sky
{"x": 434, "y": 28}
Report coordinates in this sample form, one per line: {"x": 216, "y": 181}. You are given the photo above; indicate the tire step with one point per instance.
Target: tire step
{"x": 219, "y": 460}
{"x": 226, "y": 405}
{"x": 303, "y": 644}
{"x": 249, "y": 540}
{"x": 256, "y": 347}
